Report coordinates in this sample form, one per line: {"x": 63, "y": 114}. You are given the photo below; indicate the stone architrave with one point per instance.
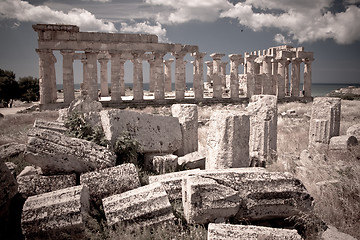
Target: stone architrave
{"x": 56, "y": 215}
{"x": 180, "y": 72}
{"x": 35, "y": 184}
{"x": 8, "y": 184}
{"x": 324, "y": 122}
{"x": 168, "y": 82}
{"x": 172, "y": 182}
{"x": 199, "y": 75}
{"x": 242, "y": 194}
{"x": 188, "y": 118}
{"x": 68, "y": 75}
{"x": 159, "y": 88}
{"x": 104, "y": 86}
{"x": 154, "y": 133}
{"x": 216, "y": 77}
{"x": 144, "y": 206}
{"x": 235, "y": 60}
{"x": 138, "y": 81}
{"x": 110, "y": 181}
{"x": 295, "y": 77}
{"x": 228, "y": 140}
{"x": 263, "y": 130}
{"x": 217, "y": 231}
{"x": 91, "y": 74}
{"x": 56, "y": 153}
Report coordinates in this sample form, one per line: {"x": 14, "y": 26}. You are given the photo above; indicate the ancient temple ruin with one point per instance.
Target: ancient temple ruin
{"x": 265, "y": 72}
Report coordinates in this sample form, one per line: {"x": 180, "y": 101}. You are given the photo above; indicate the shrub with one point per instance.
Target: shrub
{"x": 127, "y": 149}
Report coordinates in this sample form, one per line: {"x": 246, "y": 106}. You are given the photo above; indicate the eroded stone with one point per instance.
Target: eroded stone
{"x": 8, "y": 185}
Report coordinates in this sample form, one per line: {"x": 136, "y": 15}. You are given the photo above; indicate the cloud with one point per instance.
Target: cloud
{"x": 302, "y": 21}
{"x": 281, "y": 39}
{"x": 180, "y": 11}
{"x": 23, "y": 11}
{"x": 145, "y": 27}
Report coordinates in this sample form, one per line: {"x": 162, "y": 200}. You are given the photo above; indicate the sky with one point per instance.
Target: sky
{"x": 329, "y": 28}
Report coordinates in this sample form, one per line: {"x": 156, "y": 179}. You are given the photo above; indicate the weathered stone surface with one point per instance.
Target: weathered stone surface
{"x": 324, "y": 122}
{"x": 161, "y": 163}
{"x": 30, "y": 170}
{"x": 63, "y": 115}
{"x": 111, "y": 181}
{"x": 228, "y": 140}
{"x": 54, "y": 126}
{"x": 8, "y": 185}
{"x": 144, "y": 206}
{"x": 56, "y": 153}
{"x": 84, "y": 104}
{"x": 354, "y": 131}
{"x": 243, "y": 193}
{"x": 332, "y": 233}
{"x": 11, "y": 166}
{"x": 188, "y": 118}
{"x": 342, "y": 143}
{"x": 35, "y": 184}
{"x": 263, "y": 130}
{"x": 11, "y": 150}
{"x": 192, "y": 160}
{"x": 155, "y": 134}
{"x": 246, "y": 232}
{"x": 56, "y": 215}
{"x": 172, "y": 182}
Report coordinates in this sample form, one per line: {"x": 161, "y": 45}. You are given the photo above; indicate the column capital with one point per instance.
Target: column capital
{"x": 137, "y": 54}
{"x": 198, "y": 54}
{"x": 169, "y": 61}
{"x": 91, "y": 51}
{"x": 159, "y": 54}
{"x": 209, "y": 63}
{"x": 180, "y": 54}
{"x": 308, "y": 60}
{"x": 217, "y": 56}
{"x": 237, "y": 58}
{"x": 296, "y": 60}
{"x": 103, "y": 60}
{"x": 67, "y": 51}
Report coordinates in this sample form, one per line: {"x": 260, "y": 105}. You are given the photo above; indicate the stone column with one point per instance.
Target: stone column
{"x": 138, "y": 81}
{"x": 180, "y": 81}
{"x": 223, "y": 73}
{"x": 209, "y": 71}
{"x": 168, "y": 84}
{"x": 45, "y": 75}
{"x": 217, "y": 89}
{"x": 91, "y": 74}
{"x": 104, "y": 86}
{"x": 159, "y": 88}
{"x": 286, "y": 80}
{"x": 152, "y": 78}
{"x": 250, "y": 74}
{"x": 199, "y": 75}
{"x": 53, "y": 78}
{"x": 295, "y": 77}
{"x": 281, "y": 78}
{"x": 68, "y": 75}
{"x": 274, "y": 75}
{"x": 267, "y": 77}
{"x": 115, "y": 76}
{"x": 235, "y": 60}
{"x": 84, "y": 85}
{"x": 307, "y": 78}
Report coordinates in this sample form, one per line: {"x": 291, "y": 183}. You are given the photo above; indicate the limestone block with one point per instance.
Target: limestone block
{"x": 63, "y": 115}
{"x": 325, "y": 121}
{"x": 84, "y": 104}
{"x": 172, "y": 182}
{"x": 192, "y": 160}
{"x": 53, "y": 126}
{"x": 263, "y": 130}
{"x": 245, "y": 232}
{"x": 56, "y": 153}
{"x": 35, "y": 184}
{"x": 30, "y": 170}
{"x": 161, "y": 164}
{"x": 155, "y": 134}
{"x": 8, "y": 185}
{"x": 242, "y": 193}
{"x": 110, "y": 181}
{"x": 56, "y": 214}
{"x": 144, "y": 206}
{"x": 354, "y": 131}
{"x": 228, "y": 140}
{"x": 342, "y": 143}
{"x": 188, "y": 118}
{"x": 332, "y": 233}
{"x": 11, "y": 150}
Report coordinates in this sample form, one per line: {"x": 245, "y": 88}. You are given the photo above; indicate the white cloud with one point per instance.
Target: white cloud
{"x": 23, "y": 11}
{"x": 180, "y": 11}
{"x": 145, "y": 27}
{"x": 303, "y": 23}
{"x": 281, "y": 39}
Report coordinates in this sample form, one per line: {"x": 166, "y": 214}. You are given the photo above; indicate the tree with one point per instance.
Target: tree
{"x": 9, "y": 87}
{"x": 29, "y": 89}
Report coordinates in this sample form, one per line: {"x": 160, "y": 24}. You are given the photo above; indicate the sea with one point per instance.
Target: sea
{"x": 317, "y": 89}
